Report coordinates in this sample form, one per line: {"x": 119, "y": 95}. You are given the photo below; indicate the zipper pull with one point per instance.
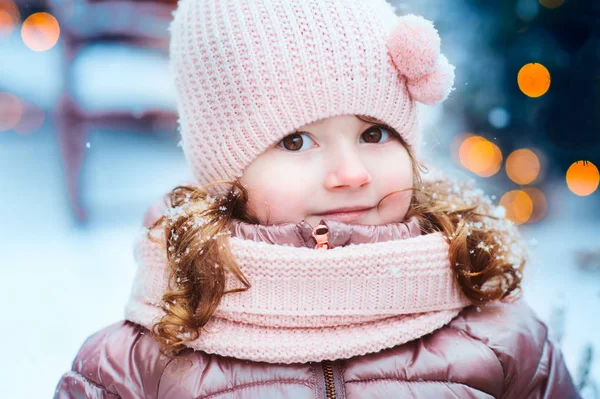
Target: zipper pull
{"x": 321, "y": 233}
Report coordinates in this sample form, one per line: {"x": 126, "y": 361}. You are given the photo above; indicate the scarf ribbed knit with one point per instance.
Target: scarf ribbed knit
{"x": 310, "y": 305}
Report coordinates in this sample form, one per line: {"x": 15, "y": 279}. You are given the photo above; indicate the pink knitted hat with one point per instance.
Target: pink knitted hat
{"x": 249, "y": 72}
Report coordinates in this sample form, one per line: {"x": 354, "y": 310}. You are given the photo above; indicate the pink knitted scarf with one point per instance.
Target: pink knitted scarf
{"x": 378, "y": 287}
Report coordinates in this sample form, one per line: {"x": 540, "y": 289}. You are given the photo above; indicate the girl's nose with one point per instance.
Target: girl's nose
{"x": 348, "y": 170}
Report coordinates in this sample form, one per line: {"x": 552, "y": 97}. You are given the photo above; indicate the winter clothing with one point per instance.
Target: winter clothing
{"x": 496, "y": 351}
{"x": 310, "y": 305}
{"x": 501, "y": 351}
{"x": 249, "y": 73}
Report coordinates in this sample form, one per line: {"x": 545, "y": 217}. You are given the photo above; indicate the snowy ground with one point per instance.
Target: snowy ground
{"x": 61, "y": 282}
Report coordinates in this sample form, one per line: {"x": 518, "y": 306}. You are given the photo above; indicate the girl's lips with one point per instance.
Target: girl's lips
{"x": 345, "y": 217}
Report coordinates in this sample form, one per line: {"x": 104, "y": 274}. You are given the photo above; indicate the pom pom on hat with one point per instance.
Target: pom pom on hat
{"x": 434, "y": 87}
{"x": 414, "y": 45}
{"x": 415, "y": 49}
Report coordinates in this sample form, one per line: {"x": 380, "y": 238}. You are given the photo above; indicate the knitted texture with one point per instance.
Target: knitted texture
{"x": 310, "y": 305}
{"x": 249, "y": 72}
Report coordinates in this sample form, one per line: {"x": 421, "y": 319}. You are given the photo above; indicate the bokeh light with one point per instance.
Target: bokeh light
{"x": 32, "y": 119}
{"x": 522, "y": 166}
{"x": 457, "y": 140}
{"x": 534, "y": 80}
{"x": 11, "y": 110}
{"x": 499, "y": 118}
{"x": 518, "y": 205}
{"x": 527, "y": 10}
{"x": 40, "y": 31}
{"x": 552, "y": 3}
{"x": 480, "y": 156}
{"x": 583, "y": 178}
{"x": 9, "y": 17}
{"x": 540, "y": 204}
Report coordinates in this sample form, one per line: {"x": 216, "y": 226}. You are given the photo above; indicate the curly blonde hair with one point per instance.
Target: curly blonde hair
{"x": 485, "y": 249}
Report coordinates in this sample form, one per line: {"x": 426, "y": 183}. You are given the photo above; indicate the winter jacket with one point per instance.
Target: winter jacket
{"x": 496, "y": 351}
{"x": 500, "y": 350}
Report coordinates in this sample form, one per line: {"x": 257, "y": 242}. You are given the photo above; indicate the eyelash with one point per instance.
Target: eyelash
{"x": 392, "y": 133}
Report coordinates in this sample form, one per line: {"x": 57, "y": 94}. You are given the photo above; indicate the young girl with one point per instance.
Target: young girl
{"x": 313, "y": 256}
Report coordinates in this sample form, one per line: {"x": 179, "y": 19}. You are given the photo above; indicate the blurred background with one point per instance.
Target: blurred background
{"x": 88, "y": 140}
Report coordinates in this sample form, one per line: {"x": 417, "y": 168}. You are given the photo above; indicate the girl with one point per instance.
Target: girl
{"x": 314, "y": 256}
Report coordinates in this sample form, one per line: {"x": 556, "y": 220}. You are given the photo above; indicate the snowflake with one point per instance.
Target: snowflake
{"x": 198, "y": 221}
{"x": 210, "y": 199}
{"x": 482, "y": 245}
{"x": 499, "y": 212}
{"x": 173, "y": 214}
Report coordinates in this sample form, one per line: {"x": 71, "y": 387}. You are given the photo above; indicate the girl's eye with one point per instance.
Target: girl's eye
{"x": 375, "y": 134}
{"x": 294, "y": 141}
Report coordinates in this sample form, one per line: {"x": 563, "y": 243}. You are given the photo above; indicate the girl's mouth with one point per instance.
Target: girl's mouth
{"x": 346, "y": 216}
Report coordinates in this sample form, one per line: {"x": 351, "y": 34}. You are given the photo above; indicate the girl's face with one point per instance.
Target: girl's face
{"x": 339, "y": 162}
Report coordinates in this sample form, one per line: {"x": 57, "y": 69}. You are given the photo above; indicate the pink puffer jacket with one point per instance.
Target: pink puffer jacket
{"x": 498, "y": 351}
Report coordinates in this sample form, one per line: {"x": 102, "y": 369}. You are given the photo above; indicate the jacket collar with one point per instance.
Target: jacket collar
{"x": 339, "y": 234}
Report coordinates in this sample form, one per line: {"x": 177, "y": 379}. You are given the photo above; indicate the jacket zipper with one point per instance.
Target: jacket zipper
{"x": 321, "y": 235}
{"x": 329, "y": 384}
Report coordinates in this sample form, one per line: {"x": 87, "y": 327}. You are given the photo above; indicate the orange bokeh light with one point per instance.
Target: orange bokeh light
{"x": 9, "y": 17}
{"x": 457, "y": 140}
{"x": 480, "y": 156}
{"x": 522, "y": 166}
{"x": 40, "y": 31}
{"x": 518, "y": 205}
{"x": 540, "y": 204}
{"x": 534, "y": 80}
{"x": 583, "y": 178}
{"x": 552, "y": 3}
{"x": 11, "y": 110}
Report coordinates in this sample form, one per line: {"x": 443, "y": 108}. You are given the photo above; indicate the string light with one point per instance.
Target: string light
{"x": 9, "y": 17}
{"x": 518, "y": 205}
{"x": 522, "y": 166}
{"x": 480, "y": 156}
{"x": 534, "y": 80}
{"x": 583, "y": 178}
{"x": 40, "y": 31}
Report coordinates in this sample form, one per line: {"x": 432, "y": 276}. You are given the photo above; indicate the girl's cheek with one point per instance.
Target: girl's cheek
{"x": 395, "y": 206}
{"x": 400, "y": 177}
{"x": 276, "y": 206}
{"x": 279, "y": 193}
